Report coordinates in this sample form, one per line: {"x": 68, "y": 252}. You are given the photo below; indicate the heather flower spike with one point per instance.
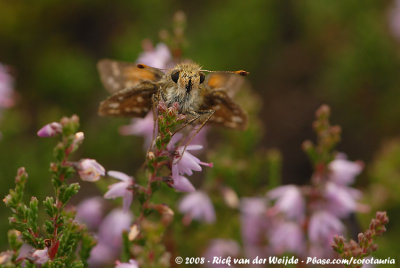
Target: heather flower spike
{"x": 365, "y": 244}
{"x": 55, "y": 240}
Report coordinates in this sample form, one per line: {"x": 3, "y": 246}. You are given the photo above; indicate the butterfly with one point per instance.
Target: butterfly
{"x": 136, "y": 88}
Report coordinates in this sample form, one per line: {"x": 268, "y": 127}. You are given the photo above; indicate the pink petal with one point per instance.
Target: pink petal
{"x": 182, "y": 184}
{"x": 116, "y": 190}
{"x": 127, "y": 201}
{"x": 119, "y": 175}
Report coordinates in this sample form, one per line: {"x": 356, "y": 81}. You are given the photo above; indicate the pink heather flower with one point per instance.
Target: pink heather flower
{"x": 221, "y": 248}
{"x": 323, "y": 226}
{"x": 24, "y": 251}
{"x": 144, "y": 127}
{"x": 344, "y": 171}
{"x": 131, "y": 264}
{"x": 90, "y": 212}
{"x": 341, "y": 199}
{"x": 198, "y": 206}
{"x": 110, "y": 237}
{"x": 121, "y": 189}
{"x": 6, "y": 88}
{"x": 184, "y": 165}
{"x": 254, "y": 224}
{"x": 50, "y": 130}
{"x": 188, "y": 162}
{"x": 285, "y": 237}
{"x": 160, "y": 57}
{"x": 40, "y": 256}
{"x": 141, "y": 127}
{"x": 182, "y": 184}
{"x": 101, "y": 254}
{"x": 201, "y": 137}
{"x": 253, "y": 219}
{"x": 90, "y": 170}
{"x": 289, "y": 201}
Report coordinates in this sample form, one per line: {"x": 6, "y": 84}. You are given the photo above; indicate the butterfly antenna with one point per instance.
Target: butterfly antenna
{"x": 240, "y": 72}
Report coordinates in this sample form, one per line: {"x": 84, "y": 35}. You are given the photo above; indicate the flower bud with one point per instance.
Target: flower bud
{"x": 133, "y": 232}
{"x": 41, "y": 256}
{"x": 50, "y": 130}
{"x": 78, "y": 139}
{"x": 90, "y": 170}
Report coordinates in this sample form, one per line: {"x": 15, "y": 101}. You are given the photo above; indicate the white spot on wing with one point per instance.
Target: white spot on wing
{"x": 237, "y": 119}
{"x": 113, "y": 105}
{"x": 230, "y": 124}
{"x": 136, "y": 110}
{"x": 219, "y": 119}
{"x": 112, "y": 111}
{"x": 111, "y": 81}
{"x": 115, "y": 69}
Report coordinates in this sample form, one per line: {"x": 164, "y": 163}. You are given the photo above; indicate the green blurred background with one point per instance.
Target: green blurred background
{"x": 299, "y": 53}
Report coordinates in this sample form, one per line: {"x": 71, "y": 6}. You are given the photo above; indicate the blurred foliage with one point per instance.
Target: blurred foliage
{"x": 299, "y": 54}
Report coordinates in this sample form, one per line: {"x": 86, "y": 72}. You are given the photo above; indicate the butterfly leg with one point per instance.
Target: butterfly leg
{"x": 207, "y": 114}
{"x": 154, "y": 101}
{"x": 195, "y": 115}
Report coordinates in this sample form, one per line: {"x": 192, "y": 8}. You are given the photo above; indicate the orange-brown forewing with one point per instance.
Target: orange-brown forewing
{"x": 231, "y": 82}
{"x": 129, "y": 102}
{"x": 227, "y": 112}
{"x": 118, "y": 75}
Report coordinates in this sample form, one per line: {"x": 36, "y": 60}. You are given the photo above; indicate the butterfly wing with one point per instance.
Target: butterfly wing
{"x": 227, "y": 112}
{"x": 117, "y": 75}
{"x": 129, "y": 102}
{"x": 220, "y": 80}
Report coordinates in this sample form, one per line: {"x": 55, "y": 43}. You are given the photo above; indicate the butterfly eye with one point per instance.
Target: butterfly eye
{"x": 202, "y": 77}
{"x": 175, "y": 76}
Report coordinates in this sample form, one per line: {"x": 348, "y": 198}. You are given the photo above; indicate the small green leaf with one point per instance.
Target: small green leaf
{"x": 68, "y": 191}
{"x": 33, "y": 214}
{"x": 50, "y": 206}
{"x": 14, "y": 240}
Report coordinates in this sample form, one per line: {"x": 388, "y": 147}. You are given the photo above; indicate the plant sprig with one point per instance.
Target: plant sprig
{"x": 58, "y": 238}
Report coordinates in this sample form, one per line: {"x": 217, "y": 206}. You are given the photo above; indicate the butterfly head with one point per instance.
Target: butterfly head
{"x": 187, "y": 77}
